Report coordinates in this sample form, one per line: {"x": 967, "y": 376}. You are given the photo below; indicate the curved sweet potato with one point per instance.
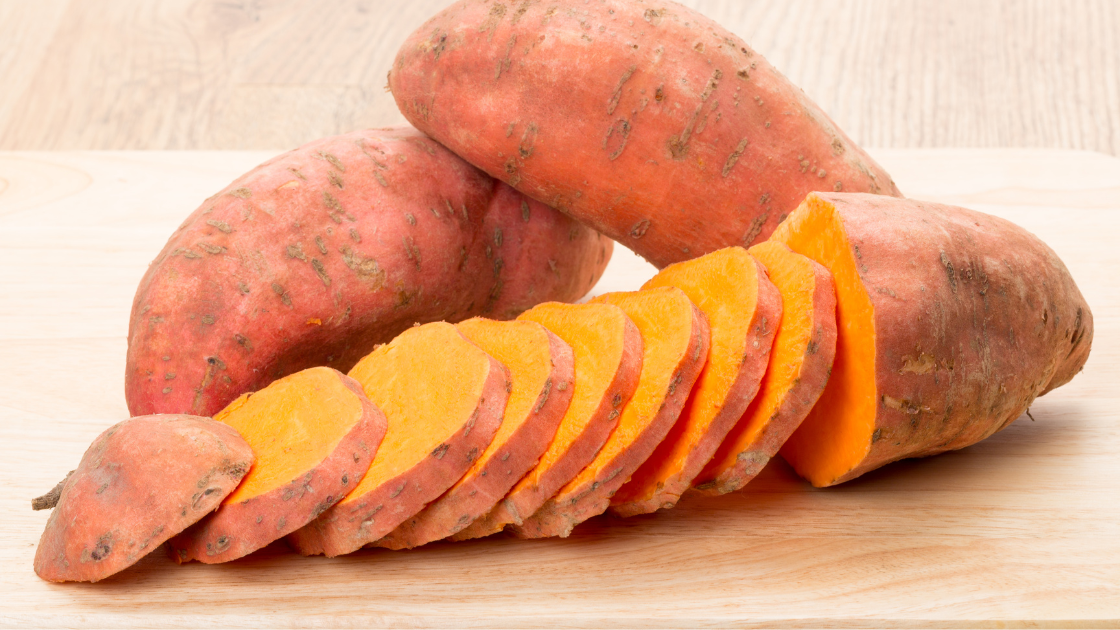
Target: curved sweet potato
{"x": 951, "y": 322}
{"x": 444, "y": 398}
{"x": 542, "y": 374}
{"x": 800, "y": 364}
{"x": 675, "y": 338}
{"x": 141, "y": 482}
{"x": 743, "y": 309}
{"x": 317, "y": 255}
{"x": 629, "y": 116}
{"x": 608, "y": 356}
{"x": 314, "y": 434}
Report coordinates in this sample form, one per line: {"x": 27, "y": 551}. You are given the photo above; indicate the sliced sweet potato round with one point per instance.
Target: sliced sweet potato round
{"x": 444, "y": 398}
{"x": 608, "y": 358}
{"x": 743, "y": 309}
{"x": 675, "y": 339}
{"x": 542, "y": 371}
{"x": 800, "y": 363}
{"x": 141, "y": 482}
{"x": 950, "y": 323}
{"x": 314, "y": 434}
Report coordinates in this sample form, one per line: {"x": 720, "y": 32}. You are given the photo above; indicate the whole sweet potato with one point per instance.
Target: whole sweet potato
{"x": 647, "y": 121}
{"x": 317, "y": 255}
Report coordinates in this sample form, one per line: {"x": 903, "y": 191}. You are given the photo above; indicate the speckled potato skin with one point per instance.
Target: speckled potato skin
{"x": 572, "y": 506}
{"x": 319, "y": 254}
{"x": 816, "y": 367}
{"x": 348, "y": 527}
{"x": 238, "y": 529}
{"x": 462, "y": 505}
{"x": 974, "y": 318}
{"x": 519, "y": 505}
{"x": 141, "y": 482}
{"x": 646, "y": 121}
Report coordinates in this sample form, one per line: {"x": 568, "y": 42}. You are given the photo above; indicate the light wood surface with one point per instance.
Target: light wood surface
{"x": 1022, "y": 530}
{"x": 273, "y": 74}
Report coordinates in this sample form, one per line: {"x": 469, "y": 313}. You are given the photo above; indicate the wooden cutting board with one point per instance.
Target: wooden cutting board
{"x": 1022, "y": 530}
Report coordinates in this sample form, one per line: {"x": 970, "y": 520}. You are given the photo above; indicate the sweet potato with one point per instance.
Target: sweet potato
{"x": 629, "y": 116}
{"x": 141, "y": 482}
{"x": 444, "y": 398}
{"x": 743, "y": 309}
{"x": 542, "y": 374}
{"x": 314, "y": 434}
{"x": 950, "y": 323}
{"x": 800, "y": 363}
{"x": 675, "y": 340}
{"x": 608, "y": 360}
{"x": 317, "y": 255}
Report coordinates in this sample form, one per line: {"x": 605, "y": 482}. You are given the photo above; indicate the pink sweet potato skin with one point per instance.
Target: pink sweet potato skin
{"x": 317, "y": 255}
{"x": 465, "y": 502}
{"x": 648, "y": 122}
{"x": 238, "y": 529}
{"x": 141, "y": 482}
{"x": 974, "y": 318}
{"x": 357, "y": 522}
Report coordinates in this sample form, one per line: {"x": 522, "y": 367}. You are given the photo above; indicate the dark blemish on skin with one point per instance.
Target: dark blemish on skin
{"x": 242, "y": 193}
{"x": 734, "y": 157}
{"x": 440, "y": 451}
{"x": 243, "y": 288}
{"x": 357, "y": 238}
{"x": 222, "y": 226}
{"x": 617, "y": 95}
{"x": 284, "y": 297}
{"x": 210, "y": 248}
{"x": 876, "y": 436}
{"x": 189, "y": 254}
{"x": 620, "y": 129}
{"x": 208, "y": 319}
{"x": 396, "y": 493}
{"x": 411, "y": 219}
{"x": 321, "y": 245}
{"x": 321, "y": 271}
{"x": 524, "y": 211}
{"x": 639, "y": 229}
{"x": 243, "y": 341}
{"x": 949, "y": 272}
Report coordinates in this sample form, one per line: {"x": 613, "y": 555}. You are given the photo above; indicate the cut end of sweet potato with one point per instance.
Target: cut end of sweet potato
{"x": 444, "y": 398}
{"x": 608, "y": 360}
{"x": 836, "y": 435}
{"x": 314, "y": 434}
{"x": 804, "y": 347}
{"x": 542, "y": 373}
{"x": 141, "y": 482}
{"x": 675, "y": 339}
{"x": 743, "y": 309}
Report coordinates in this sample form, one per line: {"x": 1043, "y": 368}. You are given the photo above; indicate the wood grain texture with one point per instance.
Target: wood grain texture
{"x": 274, "y": 74}
{"x": 1021, "y": 530}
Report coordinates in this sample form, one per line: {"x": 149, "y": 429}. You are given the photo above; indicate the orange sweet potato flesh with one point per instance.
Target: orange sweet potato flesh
{"x": 607, "y": 348}
{"x": 141, "y": 482}
{"x": 542, "y": 374}
{"x": 800, "y": 363}
{"x": 743, "y": 309}
{"x": 323, "y": 252}
{"x": 314, "y": 434}
{"x": 636, "y": 115}
{"x": 675, "y": 340}
{"x": 444, "y": 398}
{"x": 950, "y": 323}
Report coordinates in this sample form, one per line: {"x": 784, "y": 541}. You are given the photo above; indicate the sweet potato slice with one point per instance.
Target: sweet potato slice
{"x": 950, "y": 323}
{"x": 542, "y": 371}
{"x": 800, "y": 362}
{"x": 675, "y": 340}
{"x": 743, "y": 309}
{"x": 608, "y": 358}
{"x": 314, "y": 434}
{"x": 141, "y": 482}
{"x": 444, "y": 398}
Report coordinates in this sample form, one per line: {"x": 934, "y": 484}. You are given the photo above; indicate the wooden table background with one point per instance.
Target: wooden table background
{"x": 273, "y": 74}
{"x": 1022, "y": 530}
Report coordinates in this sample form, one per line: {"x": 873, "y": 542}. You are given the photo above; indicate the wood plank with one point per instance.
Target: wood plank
{"x": 273, "y": 74}
{"x": 1021, "y": 530}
